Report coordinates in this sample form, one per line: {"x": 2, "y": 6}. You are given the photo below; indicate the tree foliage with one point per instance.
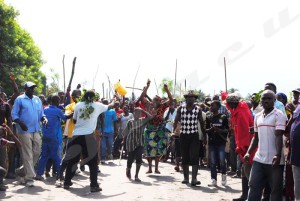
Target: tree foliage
{"x": 232, "y": 90}
{"x": 169, "y": 83}
{"x": 178, "y": 90}
{"x": 53, "y": 87}
{"x": 18, "y": 52}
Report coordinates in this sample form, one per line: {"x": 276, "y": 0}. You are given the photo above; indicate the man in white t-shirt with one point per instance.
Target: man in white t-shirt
{"x": 83, "y": 142}
{"x": 268, "y": 164}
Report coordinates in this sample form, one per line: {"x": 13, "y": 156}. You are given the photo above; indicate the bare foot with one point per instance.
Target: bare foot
{"x": 149, "y": 171}
{"x": 157, "y": 171}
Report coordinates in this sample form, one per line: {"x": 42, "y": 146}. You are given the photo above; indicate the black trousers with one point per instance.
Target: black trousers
{"x": 2, "y": 174}
{"x": 137, "y": 155}
{"x": 201, "y": 149}
{"x": 177, "y": 147}
{"x": 87, "y": 146}
{"x": 190, "y": 148}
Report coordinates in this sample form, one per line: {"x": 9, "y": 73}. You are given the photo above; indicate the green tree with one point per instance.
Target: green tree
{"x": 169, "y": 83}
{"x": 18, "y": 52}
{"x": 53, "y": 87}
{"x": 202, "y": 95}
{"x": 232, "y": 90}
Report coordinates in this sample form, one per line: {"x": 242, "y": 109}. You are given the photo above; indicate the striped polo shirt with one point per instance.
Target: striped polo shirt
{"x": 266, "y": 126}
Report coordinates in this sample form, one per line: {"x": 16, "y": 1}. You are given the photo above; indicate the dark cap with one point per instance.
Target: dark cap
{"x": 296, "y": 90}
{"x": 190, "y": 93}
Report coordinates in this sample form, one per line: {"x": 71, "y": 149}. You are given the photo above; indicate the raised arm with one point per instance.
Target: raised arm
{"x": 15, "y": 87}
{"x": 111, "y": 105}
{"x": 144, "y": 91}
{"x": 148, "y": 115}
{"x": 168, "y": 92}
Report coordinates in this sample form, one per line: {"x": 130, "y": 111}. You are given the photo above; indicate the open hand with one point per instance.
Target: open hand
{"x": 12, "y": 76}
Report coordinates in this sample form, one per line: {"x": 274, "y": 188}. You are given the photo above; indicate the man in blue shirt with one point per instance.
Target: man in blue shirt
{"x": 28, "y": 112}
{"x": 110, "y": 129}
{"x": 52, "y": 137}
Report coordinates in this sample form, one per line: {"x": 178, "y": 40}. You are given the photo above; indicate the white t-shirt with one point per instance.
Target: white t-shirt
{"x": 201, "y": 137}
{"x": 170, "y": 121}
{"x": 266, "y": 126}
{"x": 86, "y": 126}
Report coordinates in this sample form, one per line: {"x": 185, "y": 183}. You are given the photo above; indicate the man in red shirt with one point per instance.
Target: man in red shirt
{"x": 241, "y": 122}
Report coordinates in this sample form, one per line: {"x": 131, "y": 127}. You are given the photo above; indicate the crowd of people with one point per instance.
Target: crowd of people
{"x": 234, "y": 137}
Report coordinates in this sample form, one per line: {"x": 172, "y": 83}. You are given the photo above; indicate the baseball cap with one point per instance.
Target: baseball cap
{"x": 29, "y": 84}
{"x": 296, "y": 90}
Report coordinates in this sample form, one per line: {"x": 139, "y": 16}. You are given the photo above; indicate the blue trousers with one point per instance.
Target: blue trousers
{"x": 217, "y": 152}
{"x": 260, "y": 175}
{"x": 106, "y": 144}
{"x": 50, "y": 150}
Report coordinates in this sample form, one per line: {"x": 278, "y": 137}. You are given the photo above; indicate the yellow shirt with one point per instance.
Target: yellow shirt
{"x": 69, "y": 128}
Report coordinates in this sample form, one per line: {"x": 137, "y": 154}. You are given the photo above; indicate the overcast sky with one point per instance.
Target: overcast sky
{"x": 260, "y": 40}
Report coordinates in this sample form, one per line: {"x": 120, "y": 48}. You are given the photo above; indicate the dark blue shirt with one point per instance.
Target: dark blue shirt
{"x": 220, "y": 121}
{"x": 53, "y": 129}
{"x": 295, "y": 142}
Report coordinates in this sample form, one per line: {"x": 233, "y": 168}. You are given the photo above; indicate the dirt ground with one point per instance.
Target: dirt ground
{"x": 116, "y": 186}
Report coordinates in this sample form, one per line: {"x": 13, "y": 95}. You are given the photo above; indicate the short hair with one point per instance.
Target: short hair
{"x": 216, "y": 97}
{"x": 55, "y": 98}
{"x": 105, "y": 101}
{"x": 217, "y": 102}
{"x": 75, "y": 91}
{"x": 272, "y": 84}
{"x": 268, "y": 91}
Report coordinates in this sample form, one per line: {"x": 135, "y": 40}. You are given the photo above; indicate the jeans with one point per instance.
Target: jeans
{"x": 217, "y": 152}
{"x": 106, "y": 144}
{"x": 260, "y": 175}
{"x": 296, "y": 175}
{"x": 87, "y": 146}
